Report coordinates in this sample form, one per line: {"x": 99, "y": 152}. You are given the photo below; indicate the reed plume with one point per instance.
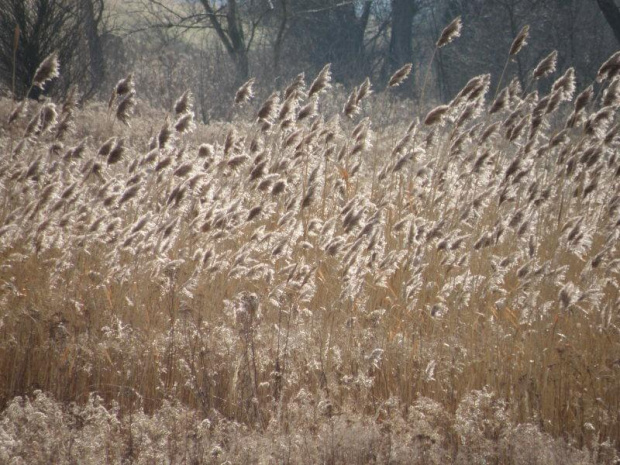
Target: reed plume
{"x": 450, "y": 32}
{"x": 296, "y": 87}
{"x": 184, "y": 103}
{"x": 609, "y": 69}
{"x": 546, "y": 66}
{"x": 126, "y": 107}
{"x": 245, "y": 92}
{"x": 436, "y": 115}
{"x": 520, "y": 41}
{"x": 47, "y": 70}
{"x": 322, "y": 81}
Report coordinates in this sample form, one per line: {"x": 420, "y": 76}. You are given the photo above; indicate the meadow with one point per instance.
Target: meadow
{"x": 326, "y": 278}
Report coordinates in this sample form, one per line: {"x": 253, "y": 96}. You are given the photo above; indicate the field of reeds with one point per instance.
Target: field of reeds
{"x": 325, "y": 279}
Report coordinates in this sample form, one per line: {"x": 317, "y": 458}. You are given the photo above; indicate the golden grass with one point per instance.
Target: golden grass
{"x": 283, "y": 273}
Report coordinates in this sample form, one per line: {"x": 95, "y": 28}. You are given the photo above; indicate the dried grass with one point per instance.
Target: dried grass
{"x": 314, "y": 289}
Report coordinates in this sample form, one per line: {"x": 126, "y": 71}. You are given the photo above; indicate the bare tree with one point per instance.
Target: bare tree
{"x": 45, "y": 26}
{"x": 42, "y": 27}
{"x": 229, "y": 27}
{"x": 234, "y": 22}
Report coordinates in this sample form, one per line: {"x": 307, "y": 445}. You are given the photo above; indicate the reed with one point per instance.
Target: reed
{"x": 308, "y": 286}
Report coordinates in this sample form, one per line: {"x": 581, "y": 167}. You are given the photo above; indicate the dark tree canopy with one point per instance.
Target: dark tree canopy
{"x": 68, "y": 28}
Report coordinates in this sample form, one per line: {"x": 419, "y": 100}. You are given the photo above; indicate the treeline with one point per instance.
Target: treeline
{"x": 213, "y": 46}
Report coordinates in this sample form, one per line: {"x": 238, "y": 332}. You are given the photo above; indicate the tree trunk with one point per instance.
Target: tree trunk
{"x": 361, "y": 31}
{"x": 232, "y": 36}
{"x": 242, "y": 66}
{"x": 238, "y": 42}
{"x": 612, "y": 15}
{"x": 351, "y": 49}
{"x": 92, "y": 20}
{"x": 401, "y": 39}
{"x": 277, "y": 46}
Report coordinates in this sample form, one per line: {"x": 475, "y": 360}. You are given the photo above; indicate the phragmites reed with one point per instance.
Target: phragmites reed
{"x": 546, "y": 66}
{"x": 254, "y": 212}
{"x": 520, "y": 41}
{"x": 116, "y": 154}
{"x": 309, "y": 110}
{"x": 64, "y": 126}
{"x": 472, "y": 90}
{"x": 164, "y": 136}
{"x": 351, "y": 108}
{"x": 270, "y": 108}
{"x": 33, "y": 126}
{"x": 125, "y": 107}
{"x": 517, "y": 44}
{"x": 125, "y": 86}
{"x": 19, "y": 110}
{"x": 185, "y": 123}
{"x": 364, "y": 90}
{"x": 205, "y": 151}
{"x": 501, "y": 101}
{"x": 71, "y": 101}
{"x": 436, "y": 115}
{"x": 184, "y": 103}
{"x": 565, "y": 84}
{"x": 107, "y": 146}
{"x": 609, "y": 69}
{"x": 450, "y": 32}
{"x": 584, "y": 98}
{"x": 129, "y": 194}
{"x": 122, "y": 87}
{"x": 322, "y": 81}
{"x": 296, "y": 86}
{"x": 47, "y": 70}
{"x": 400, "y": 75}
{"x": 16, "y": 35}
{"x": 287, "y": 108}
{"x": 245, "y": 92}
{"x": 473, "y": 232}
{"x": 48, "y": 117}
{"x": 611, "y": 96}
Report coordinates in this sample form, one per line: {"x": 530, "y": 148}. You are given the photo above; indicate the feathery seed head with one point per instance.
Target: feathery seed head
{"x": 322, "y": 81}
{"x": 184, "y": 103}
{"x": 270, "y": 108}
{"x": 124, "y": 86}
{"x": 296, "y": 87}
{"x": 125, "y": 107}
{"x": 400, "y": 75}
{"x": 450, "y": 32}
{"x": 47, "y": 70}
{"x": 309, "y": 110}
{"x": 185, "y": 123}
{"x": 609, "y": 69}
{"x": 436, "y": 115}
{"x": 245, "y": 92}
{"x": 48, "y": 117}
{"x": 546, "y": 66}
{"x": 566, "y": 84}
{"x": 520, "y": 41}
